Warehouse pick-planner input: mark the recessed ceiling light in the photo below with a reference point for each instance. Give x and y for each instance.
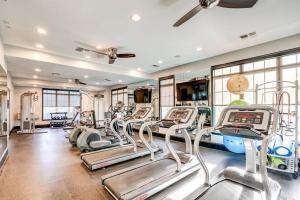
(40, 46)
(70, 80)
(99, 47)
(148, 84)
(160, 62)
(65, 87)
(41, 31)
(135, 17)
(34, 85)
(120, 81)
(35, 76)
(87, 57)
(188, 71)
(199, 49)
(85, 76)
(97, 83)
(37, 70)
(139, 69)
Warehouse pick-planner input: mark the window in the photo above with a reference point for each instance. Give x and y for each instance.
(120, 94)
(277, 68)
(166, 94)
(60, 101)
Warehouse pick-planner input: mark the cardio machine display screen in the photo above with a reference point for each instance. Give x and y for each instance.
(141, 113)
(246, 117)
(179, 114)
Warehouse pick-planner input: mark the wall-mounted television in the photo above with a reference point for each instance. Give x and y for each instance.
(142, 96)
(192, 91)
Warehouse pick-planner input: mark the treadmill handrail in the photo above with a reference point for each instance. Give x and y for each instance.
(180, 126)
(146, 143)
(115, 133)
(135, 120)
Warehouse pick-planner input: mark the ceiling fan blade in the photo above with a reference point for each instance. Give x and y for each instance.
(237, 4)
(77, 81)
(111, 61)
(188, 15)
(125, 55)
(97, 51)
(85, 45)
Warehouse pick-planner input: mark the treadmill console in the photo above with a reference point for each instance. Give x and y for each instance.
(179, 115)
(246, 117)
(176, 116)
(240, 122)
(141, 113)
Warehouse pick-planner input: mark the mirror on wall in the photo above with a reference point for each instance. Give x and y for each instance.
(4, 114)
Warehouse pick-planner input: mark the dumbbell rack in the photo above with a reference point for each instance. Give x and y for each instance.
(58, 119)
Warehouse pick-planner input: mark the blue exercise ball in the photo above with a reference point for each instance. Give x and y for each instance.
(234, 144)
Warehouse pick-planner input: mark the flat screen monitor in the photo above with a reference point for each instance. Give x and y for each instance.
(192, 91)
(142, 96)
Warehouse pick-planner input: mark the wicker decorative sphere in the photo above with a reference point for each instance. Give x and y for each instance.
(237, 84)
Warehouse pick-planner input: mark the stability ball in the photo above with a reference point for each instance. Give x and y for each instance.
(235, 144)
(239, 102)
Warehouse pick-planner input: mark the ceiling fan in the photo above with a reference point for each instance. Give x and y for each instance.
(57, 77)
(78, 82)
(205, 4)
(111, 52)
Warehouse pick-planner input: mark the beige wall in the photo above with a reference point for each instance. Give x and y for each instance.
(37, 105)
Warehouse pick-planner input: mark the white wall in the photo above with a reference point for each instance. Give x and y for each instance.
(86, 102)
(11, 101)
(2, 60)
(258, 50)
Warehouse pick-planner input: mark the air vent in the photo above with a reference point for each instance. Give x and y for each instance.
(251, 34)
(247, 35)
(108, 80)
(155, 66)
(55, 74)
(243, 36)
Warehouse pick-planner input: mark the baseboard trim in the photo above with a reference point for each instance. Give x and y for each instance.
(17, 128)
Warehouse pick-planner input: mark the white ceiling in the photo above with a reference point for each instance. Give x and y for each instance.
(22, 68)
(107, 23)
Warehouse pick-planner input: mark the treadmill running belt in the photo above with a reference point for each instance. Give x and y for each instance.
(228, 190)
(135, 180)
(102, 155)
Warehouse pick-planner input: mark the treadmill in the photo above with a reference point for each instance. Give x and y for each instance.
(144, 180)
(106, 157)
(250, 123)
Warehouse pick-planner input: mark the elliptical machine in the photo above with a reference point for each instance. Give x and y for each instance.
(91, 139)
